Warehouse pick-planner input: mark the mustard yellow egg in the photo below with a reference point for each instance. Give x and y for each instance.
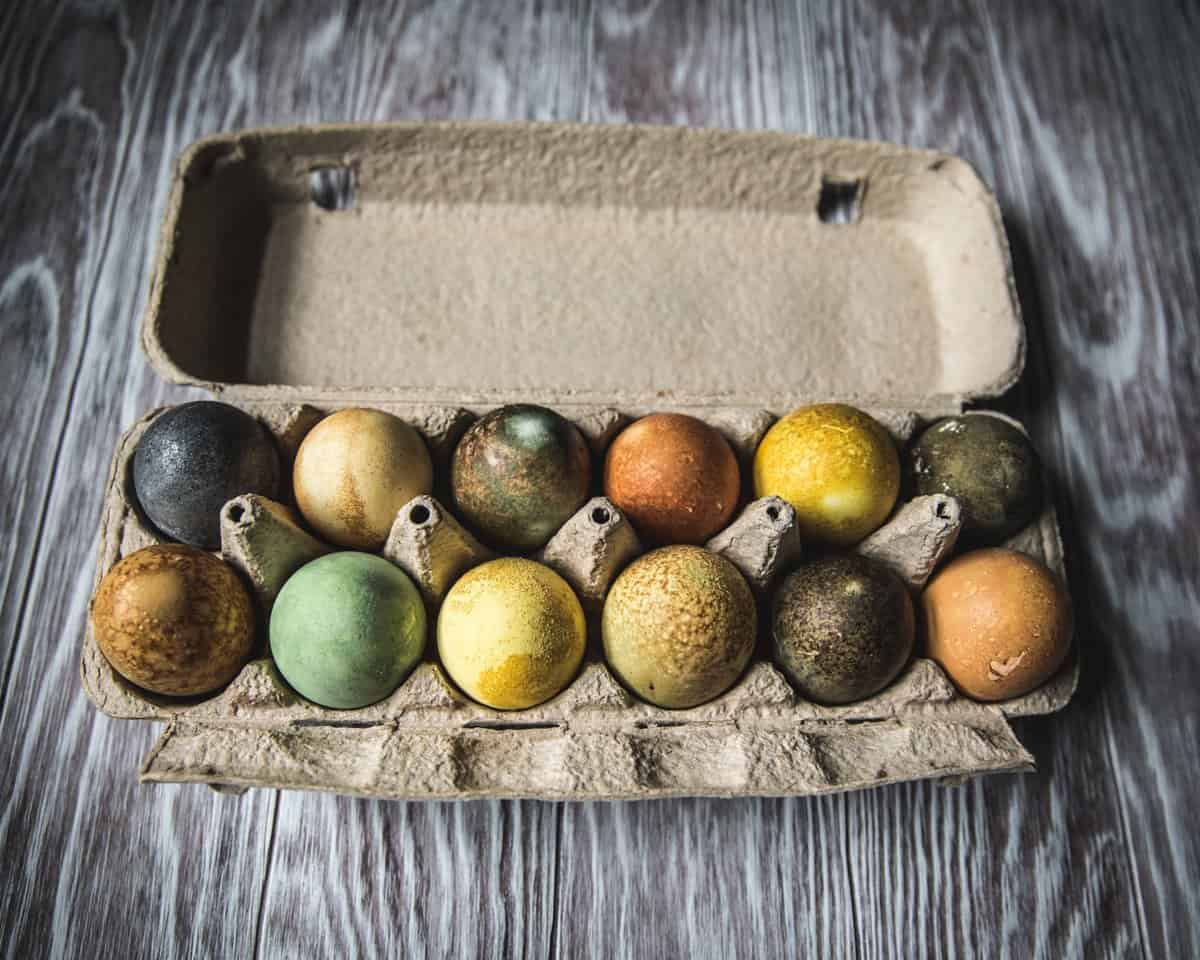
(837, 467)
(511, 633)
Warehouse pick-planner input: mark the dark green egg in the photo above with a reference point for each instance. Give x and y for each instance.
(842, 628)
(518, 474)
(985, 463)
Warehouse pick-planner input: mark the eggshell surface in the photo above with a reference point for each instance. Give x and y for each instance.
(518, 474)
(985, 463)
(675, 478)
(192, 460)
(679, 626)
(998, 621)
(354, 471)
(511, 633)
(346, 629)
(174, 620)
(842, 628)
(837, 467)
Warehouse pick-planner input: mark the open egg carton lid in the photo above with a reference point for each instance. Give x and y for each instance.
(439, 270)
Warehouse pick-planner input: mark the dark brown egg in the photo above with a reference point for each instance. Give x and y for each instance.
(174, 619)
(675, 478)
(842, 628)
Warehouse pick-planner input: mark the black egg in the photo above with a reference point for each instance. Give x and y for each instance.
(988, 466)
(842, 628)
(192, 460)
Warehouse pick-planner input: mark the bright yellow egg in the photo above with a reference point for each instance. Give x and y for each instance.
(511, 633)
(837, 467)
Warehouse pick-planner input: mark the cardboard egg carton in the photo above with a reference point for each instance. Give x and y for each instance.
(607, 273)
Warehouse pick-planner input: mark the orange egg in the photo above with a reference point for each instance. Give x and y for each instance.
(998, 622)
(675, 478)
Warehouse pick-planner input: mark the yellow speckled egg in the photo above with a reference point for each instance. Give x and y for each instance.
(174, 619)
(679, 626)
(353, 473)
(511, 633)
(836, 466)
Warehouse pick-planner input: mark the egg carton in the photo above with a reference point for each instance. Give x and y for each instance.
(595, 739)
(436, 271)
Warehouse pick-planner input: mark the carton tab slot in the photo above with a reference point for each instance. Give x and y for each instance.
(840, 202)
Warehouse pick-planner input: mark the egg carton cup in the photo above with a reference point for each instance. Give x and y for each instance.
(595, 739)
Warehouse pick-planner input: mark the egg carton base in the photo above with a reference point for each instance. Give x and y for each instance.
(761, 702)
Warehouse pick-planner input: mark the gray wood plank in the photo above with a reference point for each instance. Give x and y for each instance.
(91, 862)
(357, 878)
(707, 878)
(1115, 263)
(1084, 117)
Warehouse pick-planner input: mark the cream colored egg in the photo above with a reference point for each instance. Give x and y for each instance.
(353, 473)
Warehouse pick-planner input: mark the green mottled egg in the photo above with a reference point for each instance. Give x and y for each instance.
(985, 463)
(842, 628)
(346, 630)
(518, 474)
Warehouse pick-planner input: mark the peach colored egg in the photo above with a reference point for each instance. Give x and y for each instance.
(998, 622)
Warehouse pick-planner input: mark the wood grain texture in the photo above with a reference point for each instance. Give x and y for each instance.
(410, 879)
(1085, 118)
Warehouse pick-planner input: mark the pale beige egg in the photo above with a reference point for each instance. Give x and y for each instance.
(353, 473)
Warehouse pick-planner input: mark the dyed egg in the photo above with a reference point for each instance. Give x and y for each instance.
(679, 626)
(985, 463)
(192, 460)
(511, 633)
(674, 477)
(518, 474)
(998, 622)
(842, 628)
(836, 466)
(174, 620)
(354, 471)
(346, 629)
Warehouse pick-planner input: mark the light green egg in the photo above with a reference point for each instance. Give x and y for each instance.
(346, 629)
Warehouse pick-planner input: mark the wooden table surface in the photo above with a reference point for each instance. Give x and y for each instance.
(1085, 118)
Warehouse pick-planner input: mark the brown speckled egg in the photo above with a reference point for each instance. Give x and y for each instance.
(353, 473)
(679, 626)
(842, 628)
(174, 620)
(675, 478)
(998, 622)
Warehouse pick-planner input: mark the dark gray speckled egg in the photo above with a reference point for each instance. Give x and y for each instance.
(192, 460)
(842, 628)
